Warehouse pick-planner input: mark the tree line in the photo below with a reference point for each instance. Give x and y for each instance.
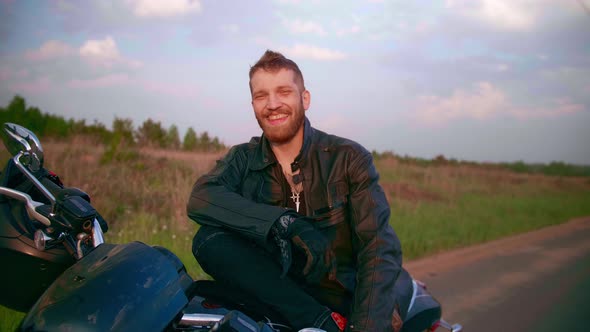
(150, 133)
(554, 168)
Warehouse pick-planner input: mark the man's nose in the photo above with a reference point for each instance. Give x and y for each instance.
(273, 102)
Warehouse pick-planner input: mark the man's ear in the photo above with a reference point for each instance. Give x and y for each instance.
(306, 97)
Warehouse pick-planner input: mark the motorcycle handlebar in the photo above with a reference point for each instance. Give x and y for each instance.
(51, 187)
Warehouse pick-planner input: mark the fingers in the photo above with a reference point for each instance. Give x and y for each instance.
(320, 260)
(324, 265)
(308, 254)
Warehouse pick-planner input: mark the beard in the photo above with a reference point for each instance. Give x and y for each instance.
(283, 134)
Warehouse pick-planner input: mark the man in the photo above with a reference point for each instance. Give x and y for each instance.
(296, 218)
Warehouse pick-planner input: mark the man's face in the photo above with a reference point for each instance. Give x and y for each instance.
(278, 104)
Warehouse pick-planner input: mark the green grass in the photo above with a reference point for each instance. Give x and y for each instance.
(150, 230)
(437, 227)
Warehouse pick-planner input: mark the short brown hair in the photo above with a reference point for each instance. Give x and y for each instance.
(273, 61)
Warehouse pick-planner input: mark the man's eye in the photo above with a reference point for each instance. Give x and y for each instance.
(285, 92)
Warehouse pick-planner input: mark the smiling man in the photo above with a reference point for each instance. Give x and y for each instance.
(296, 219)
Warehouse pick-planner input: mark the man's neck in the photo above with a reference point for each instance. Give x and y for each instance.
(288, 151)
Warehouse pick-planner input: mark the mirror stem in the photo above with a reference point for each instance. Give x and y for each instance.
(33, 179)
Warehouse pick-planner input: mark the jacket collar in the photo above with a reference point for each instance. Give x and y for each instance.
(263, 155)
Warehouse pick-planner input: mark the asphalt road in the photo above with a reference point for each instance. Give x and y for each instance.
(539, 281)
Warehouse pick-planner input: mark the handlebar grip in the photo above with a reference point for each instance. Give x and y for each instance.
(51, 186)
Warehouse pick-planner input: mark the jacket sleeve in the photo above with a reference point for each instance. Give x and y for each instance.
(216, 200)
(377, 248)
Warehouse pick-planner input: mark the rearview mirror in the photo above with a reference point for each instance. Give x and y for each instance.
(19, 139)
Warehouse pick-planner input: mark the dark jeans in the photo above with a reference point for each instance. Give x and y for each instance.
(240, 263)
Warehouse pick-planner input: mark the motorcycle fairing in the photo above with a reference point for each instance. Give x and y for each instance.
(126, 287)
(28, 271)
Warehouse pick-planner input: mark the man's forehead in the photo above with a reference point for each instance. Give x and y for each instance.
(267, 77)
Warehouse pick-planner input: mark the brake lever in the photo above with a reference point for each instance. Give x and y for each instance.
(30, 204)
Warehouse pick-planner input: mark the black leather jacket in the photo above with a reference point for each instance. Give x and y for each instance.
(245, 193)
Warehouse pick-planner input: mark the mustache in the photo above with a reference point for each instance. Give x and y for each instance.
(277, 112)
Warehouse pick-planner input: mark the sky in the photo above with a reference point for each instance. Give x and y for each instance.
(477, 80)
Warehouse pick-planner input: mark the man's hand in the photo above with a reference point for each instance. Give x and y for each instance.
(286, 254)
(320, 258)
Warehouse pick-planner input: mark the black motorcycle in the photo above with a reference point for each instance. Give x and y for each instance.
(60, 271)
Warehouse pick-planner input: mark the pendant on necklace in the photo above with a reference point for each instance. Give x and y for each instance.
(295, 198)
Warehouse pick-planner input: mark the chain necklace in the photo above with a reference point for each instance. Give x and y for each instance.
(296, 190)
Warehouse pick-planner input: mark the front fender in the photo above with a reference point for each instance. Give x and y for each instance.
(126, 287)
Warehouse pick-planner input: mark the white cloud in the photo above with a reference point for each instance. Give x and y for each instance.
(105, 53)
(483, 101)
(558, 107)
(502, 14)
(49, 50)
(313, 52)
(298, 26)
(105, 49)
(163, 9)
(56, 64)
(102, 52)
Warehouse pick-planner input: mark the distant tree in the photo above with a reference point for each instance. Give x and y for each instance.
(190, 140)
(32, 118)
(173, 138)
(16, 112)
(151, 133)
(440, 160)
(204, 141)
(123, 131)
(215, 144)
(17, 104)
(99, 131)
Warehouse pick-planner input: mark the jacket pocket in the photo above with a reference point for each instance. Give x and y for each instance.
(335, 212)
(330, 216)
